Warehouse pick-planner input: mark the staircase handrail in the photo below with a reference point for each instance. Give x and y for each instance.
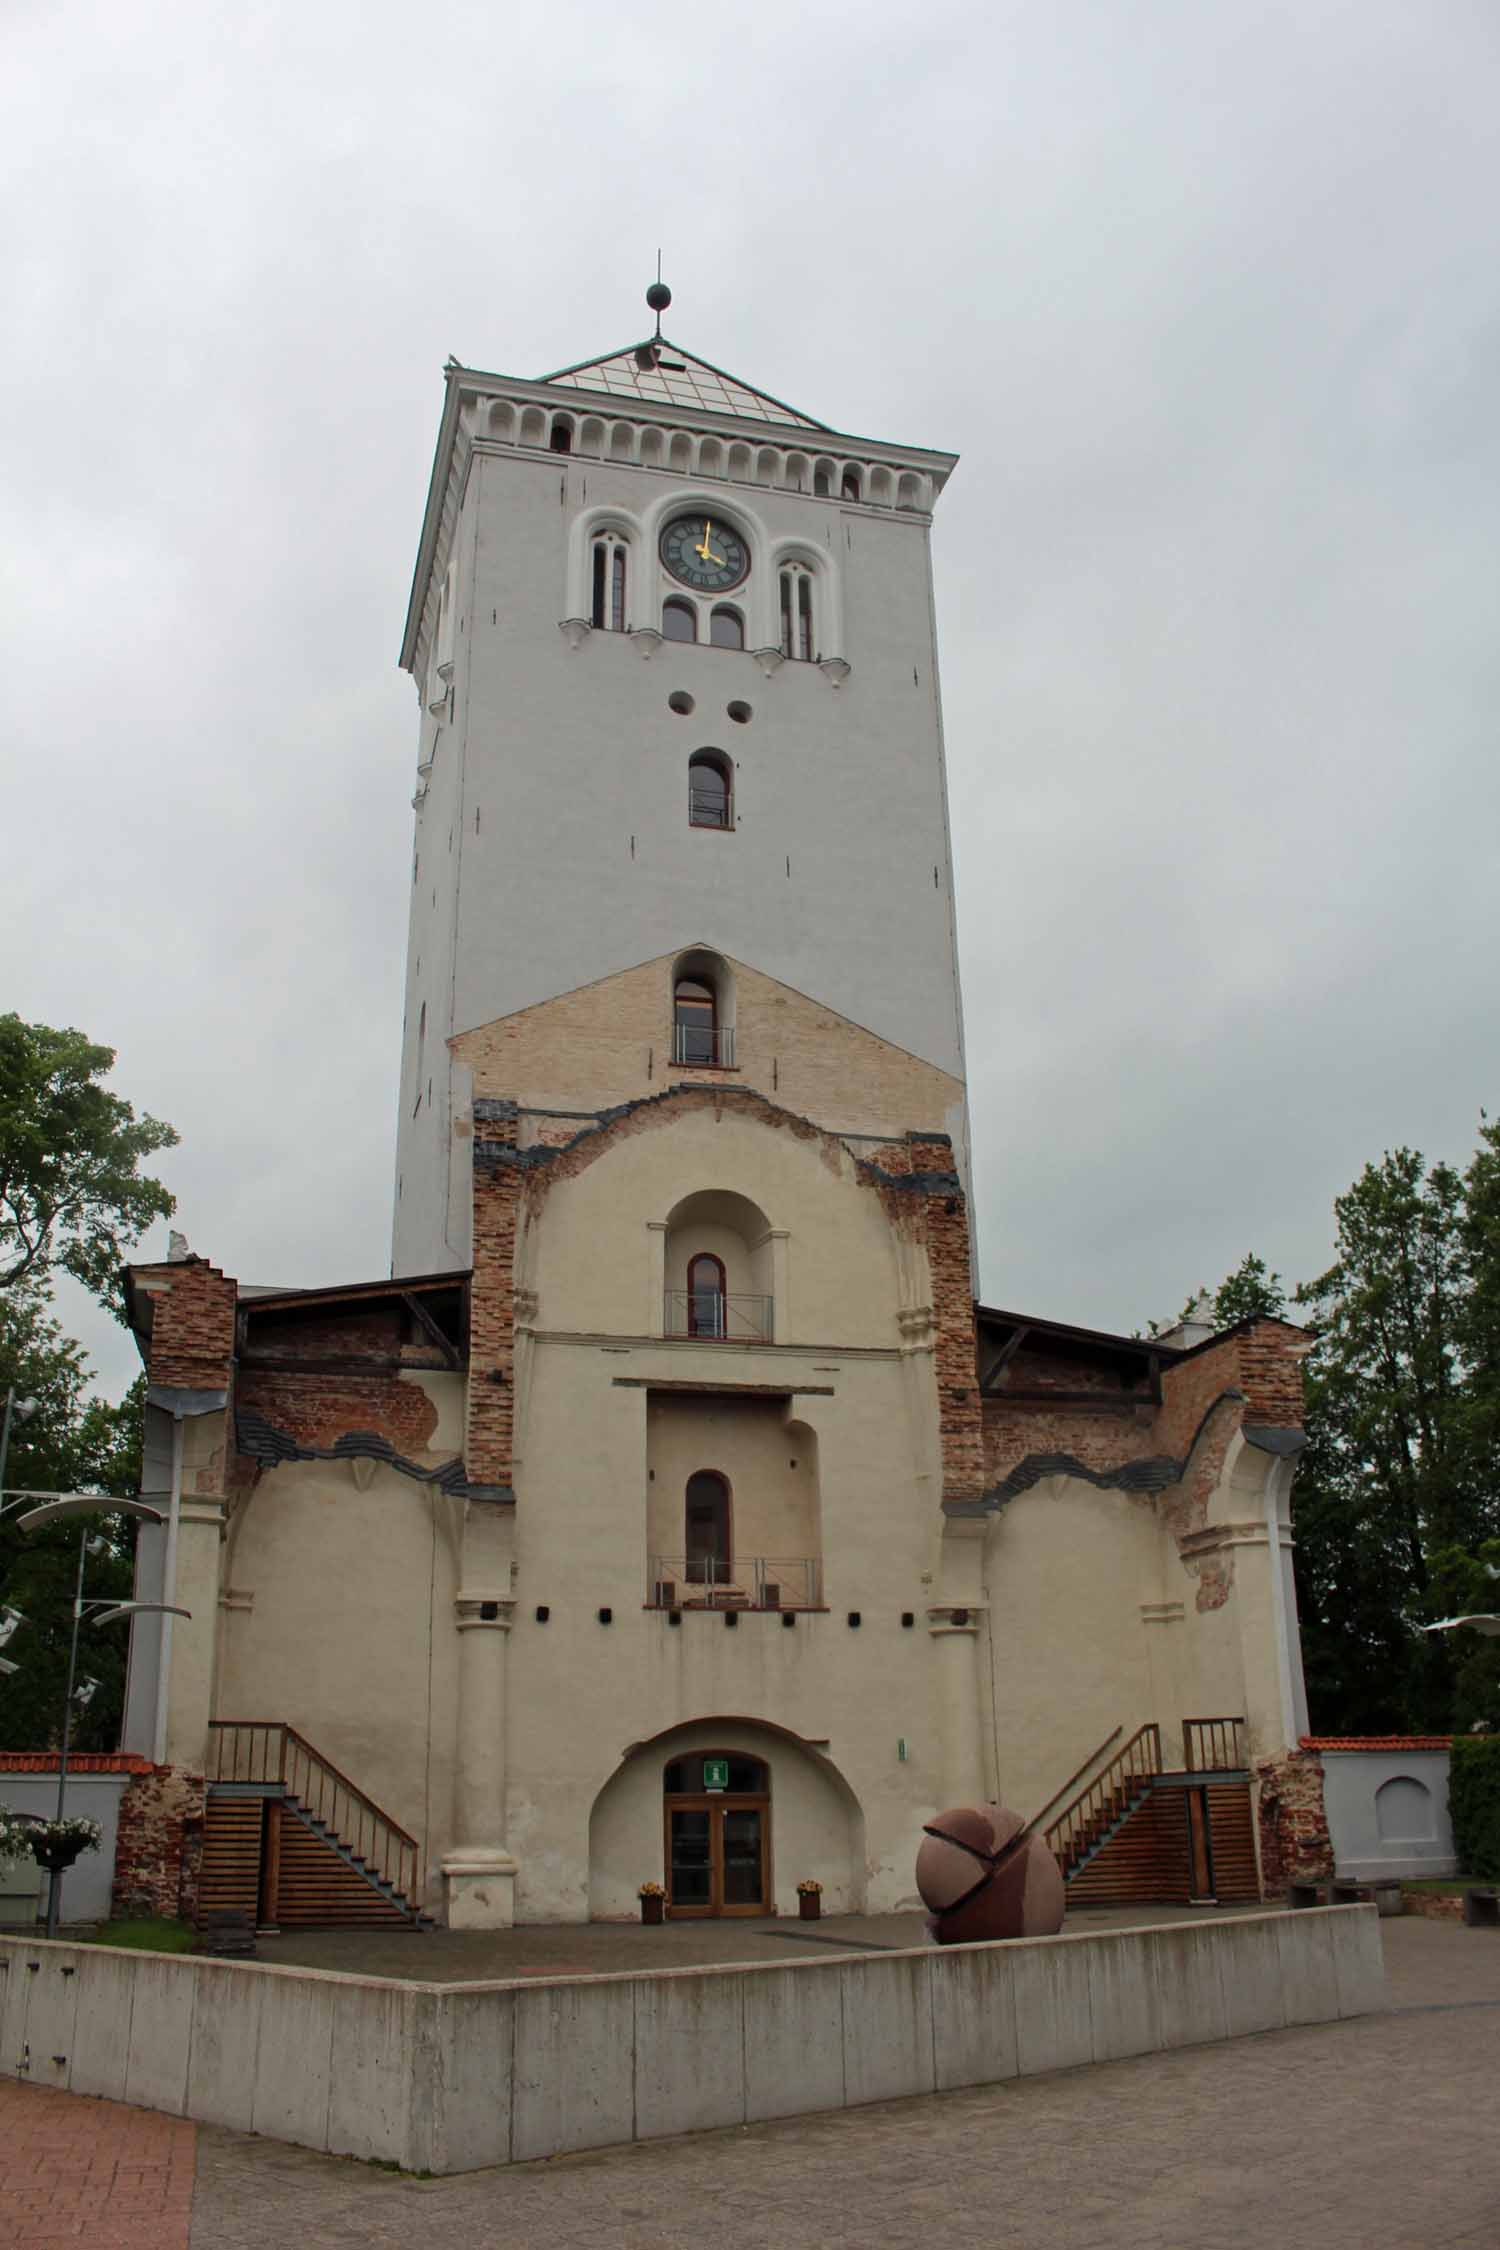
(372, 1834)
(1137, 1759)
(1075, 1776)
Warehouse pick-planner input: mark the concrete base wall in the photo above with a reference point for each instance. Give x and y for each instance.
(448, 2078)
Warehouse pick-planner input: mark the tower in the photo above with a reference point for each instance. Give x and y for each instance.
(675, 651)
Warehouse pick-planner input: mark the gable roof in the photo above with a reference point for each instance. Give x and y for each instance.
(682, 379)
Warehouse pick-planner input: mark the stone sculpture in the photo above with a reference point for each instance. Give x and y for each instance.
(981, 1875)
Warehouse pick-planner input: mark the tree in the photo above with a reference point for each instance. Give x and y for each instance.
(1250, 1292)
(71, 1443)
(71, 1196)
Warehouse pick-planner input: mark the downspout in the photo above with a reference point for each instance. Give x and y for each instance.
(169, 1594)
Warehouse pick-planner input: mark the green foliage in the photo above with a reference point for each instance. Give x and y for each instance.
(71, 1196)
(151, 1934)
(1474, 1802)
(1250, 1292)
(72, 1443)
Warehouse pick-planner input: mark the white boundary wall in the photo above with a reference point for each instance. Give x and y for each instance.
(447, 2078)
(1388, 1813)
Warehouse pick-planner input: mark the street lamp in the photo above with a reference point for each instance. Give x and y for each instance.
(21, 1408)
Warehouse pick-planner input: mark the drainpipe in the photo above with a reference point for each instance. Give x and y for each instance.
(168, 1594)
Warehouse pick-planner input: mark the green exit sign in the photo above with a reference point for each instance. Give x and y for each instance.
(716, 1773)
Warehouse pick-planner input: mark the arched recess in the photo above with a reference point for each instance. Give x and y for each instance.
(587, 525)
(827, 588)
(911, 492)
(700, 1040)
(723, 1224)
(817, 1823)
(1404, 1811)
(534, 426)
(502, 419)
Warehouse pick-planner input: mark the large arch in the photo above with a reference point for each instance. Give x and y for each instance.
(817, 1822)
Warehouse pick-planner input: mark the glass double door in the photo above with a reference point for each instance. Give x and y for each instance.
(716, 1856)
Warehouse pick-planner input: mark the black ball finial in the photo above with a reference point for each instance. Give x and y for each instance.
(658, 296)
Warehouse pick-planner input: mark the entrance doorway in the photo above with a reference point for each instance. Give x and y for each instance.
(717, 1807)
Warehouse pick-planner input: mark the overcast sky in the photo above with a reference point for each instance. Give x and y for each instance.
(1206, 294)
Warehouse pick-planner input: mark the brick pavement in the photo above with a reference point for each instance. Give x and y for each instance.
(1366, 2135)
(73, 2168)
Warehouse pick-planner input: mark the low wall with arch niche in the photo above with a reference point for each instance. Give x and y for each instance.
(1386, 1803)
(817, 1828)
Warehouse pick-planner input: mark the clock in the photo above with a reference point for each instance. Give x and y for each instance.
(708, 555)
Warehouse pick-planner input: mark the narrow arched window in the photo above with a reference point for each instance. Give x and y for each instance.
(708, 1532)
(610, 563)
(726, 628)
(849, 485)
(695, 1030)
(821, 485)
(798, 637)
(710, 790)
(562, 435)
(679, 621)
(706, 1295)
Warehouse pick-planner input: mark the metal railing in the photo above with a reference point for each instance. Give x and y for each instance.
(709, 808)
(1213, 1745)
(740, 1582)
(716, 1317)
(1099, 1804)
(267, 1753)
(709, 1048)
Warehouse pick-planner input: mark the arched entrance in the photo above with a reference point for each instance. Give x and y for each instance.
(716, 1808)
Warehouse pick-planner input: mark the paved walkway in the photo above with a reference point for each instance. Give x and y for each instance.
(1368, 2135)
(563, 1949)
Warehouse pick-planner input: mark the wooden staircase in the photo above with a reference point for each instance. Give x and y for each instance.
(289, 1840)
(1136, 1834)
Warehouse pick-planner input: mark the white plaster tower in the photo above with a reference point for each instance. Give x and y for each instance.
(675, 650)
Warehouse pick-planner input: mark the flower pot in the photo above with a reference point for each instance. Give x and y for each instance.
(653, 1909)
(809, 1905)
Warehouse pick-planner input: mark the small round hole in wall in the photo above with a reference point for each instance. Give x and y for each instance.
(674, 1616)
(787, 1618)
(681, 702)
(741, 714)
(854, 1617)
(731, 1617)
(908, 1617)
(606, 1616)
(543, 1612)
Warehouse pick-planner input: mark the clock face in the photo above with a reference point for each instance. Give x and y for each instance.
(708, 556)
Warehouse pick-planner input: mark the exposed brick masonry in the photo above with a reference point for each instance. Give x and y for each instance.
(1295, 1846)
(317, 1410)
(159, 1843)
(192, 1324)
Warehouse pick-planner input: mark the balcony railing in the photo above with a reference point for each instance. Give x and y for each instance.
(716, 1318)
(1213, 1745)
(710, 1049)
(709, 808)
(743, 1582)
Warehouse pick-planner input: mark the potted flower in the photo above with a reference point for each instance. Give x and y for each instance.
(809, 1898)
(55, 1844)
(653, 1900)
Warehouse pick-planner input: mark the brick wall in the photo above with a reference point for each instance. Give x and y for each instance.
(610, 1042)
(192, 1324)
(1295, 1846)
(159, 1845)
(498, 1190)
(317, 1410)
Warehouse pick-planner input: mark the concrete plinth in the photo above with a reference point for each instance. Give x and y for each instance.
(479, 1890)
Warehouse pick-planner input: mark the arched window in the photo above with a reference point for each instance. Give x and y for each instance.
(695, 1032)
(708, 1530)
(726, 628)
(679, 621)
(610, 552)
(706, 1295)
(821, 484)
(797, 635)
(849, 485)
(562, 435)
(710, 790)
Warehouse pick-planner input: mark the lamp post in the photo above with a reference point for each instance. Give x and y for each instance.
(19, 1408)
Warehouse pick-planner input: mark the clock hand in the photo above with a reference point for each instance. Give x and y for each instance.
(703, 550)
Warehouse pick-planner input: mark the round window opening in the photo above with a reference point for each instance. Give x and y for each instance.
(740, 713)
(682, 703)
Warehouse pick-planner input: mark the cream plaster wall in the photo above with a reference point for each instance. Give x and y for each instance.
(348, 1634)
(589, 1259)
(769, 1459)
